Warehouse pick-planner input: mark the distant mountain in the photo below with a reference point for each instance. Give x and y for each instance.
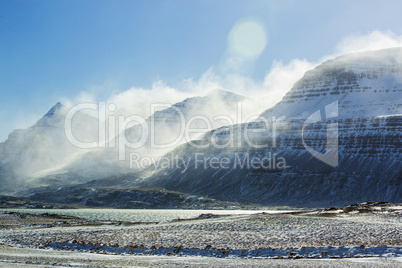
(42, 156)
(339, 130)
(365, 84)
(168, 123)
(164, 134)
(334, 139)
(216, 102)
(34, 152)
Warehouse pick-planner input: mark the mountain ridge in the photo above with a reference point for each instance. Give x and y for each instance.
(362, 120)
(76, 166)
(368, 143)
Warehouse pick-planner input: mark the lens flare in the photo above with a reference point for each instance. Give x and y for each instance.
(247, 39)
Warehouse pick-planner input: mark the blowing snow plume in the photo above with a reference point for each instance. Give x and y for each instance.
(64, 146)
(337, 142)
(41, 154)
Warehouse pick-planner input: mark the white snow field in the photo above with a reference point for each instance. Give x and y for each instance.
(321, 238)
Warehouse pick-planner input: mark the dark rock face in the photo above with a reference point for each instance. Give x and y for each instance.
(349, 109)
(125, 197)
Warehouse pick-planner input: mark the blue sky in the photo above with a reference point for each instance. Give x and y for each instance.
(50, 50)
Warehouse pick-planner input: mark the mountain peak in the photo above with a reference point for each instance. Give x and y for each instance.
(224, 94)
(57, 107)
(55, 113)
(364, 84)
(218, 91)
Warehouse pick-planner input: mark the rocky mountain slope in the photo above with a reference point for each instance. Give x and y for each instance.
(42, 156)
(334, 139)
(166, 126)
(337, 139)
(38, 150)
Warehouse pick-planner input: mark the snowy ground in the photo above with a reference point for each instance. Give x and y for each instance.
(335, 237)
(27, 257)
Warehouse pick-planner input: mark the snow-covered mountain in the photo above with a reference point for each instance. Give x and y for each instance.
(43, 147)
(216, 102)
(337, 139)
(42, 155)
(166, 126)
(165, 132)
(365, 84)
(163, 135)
